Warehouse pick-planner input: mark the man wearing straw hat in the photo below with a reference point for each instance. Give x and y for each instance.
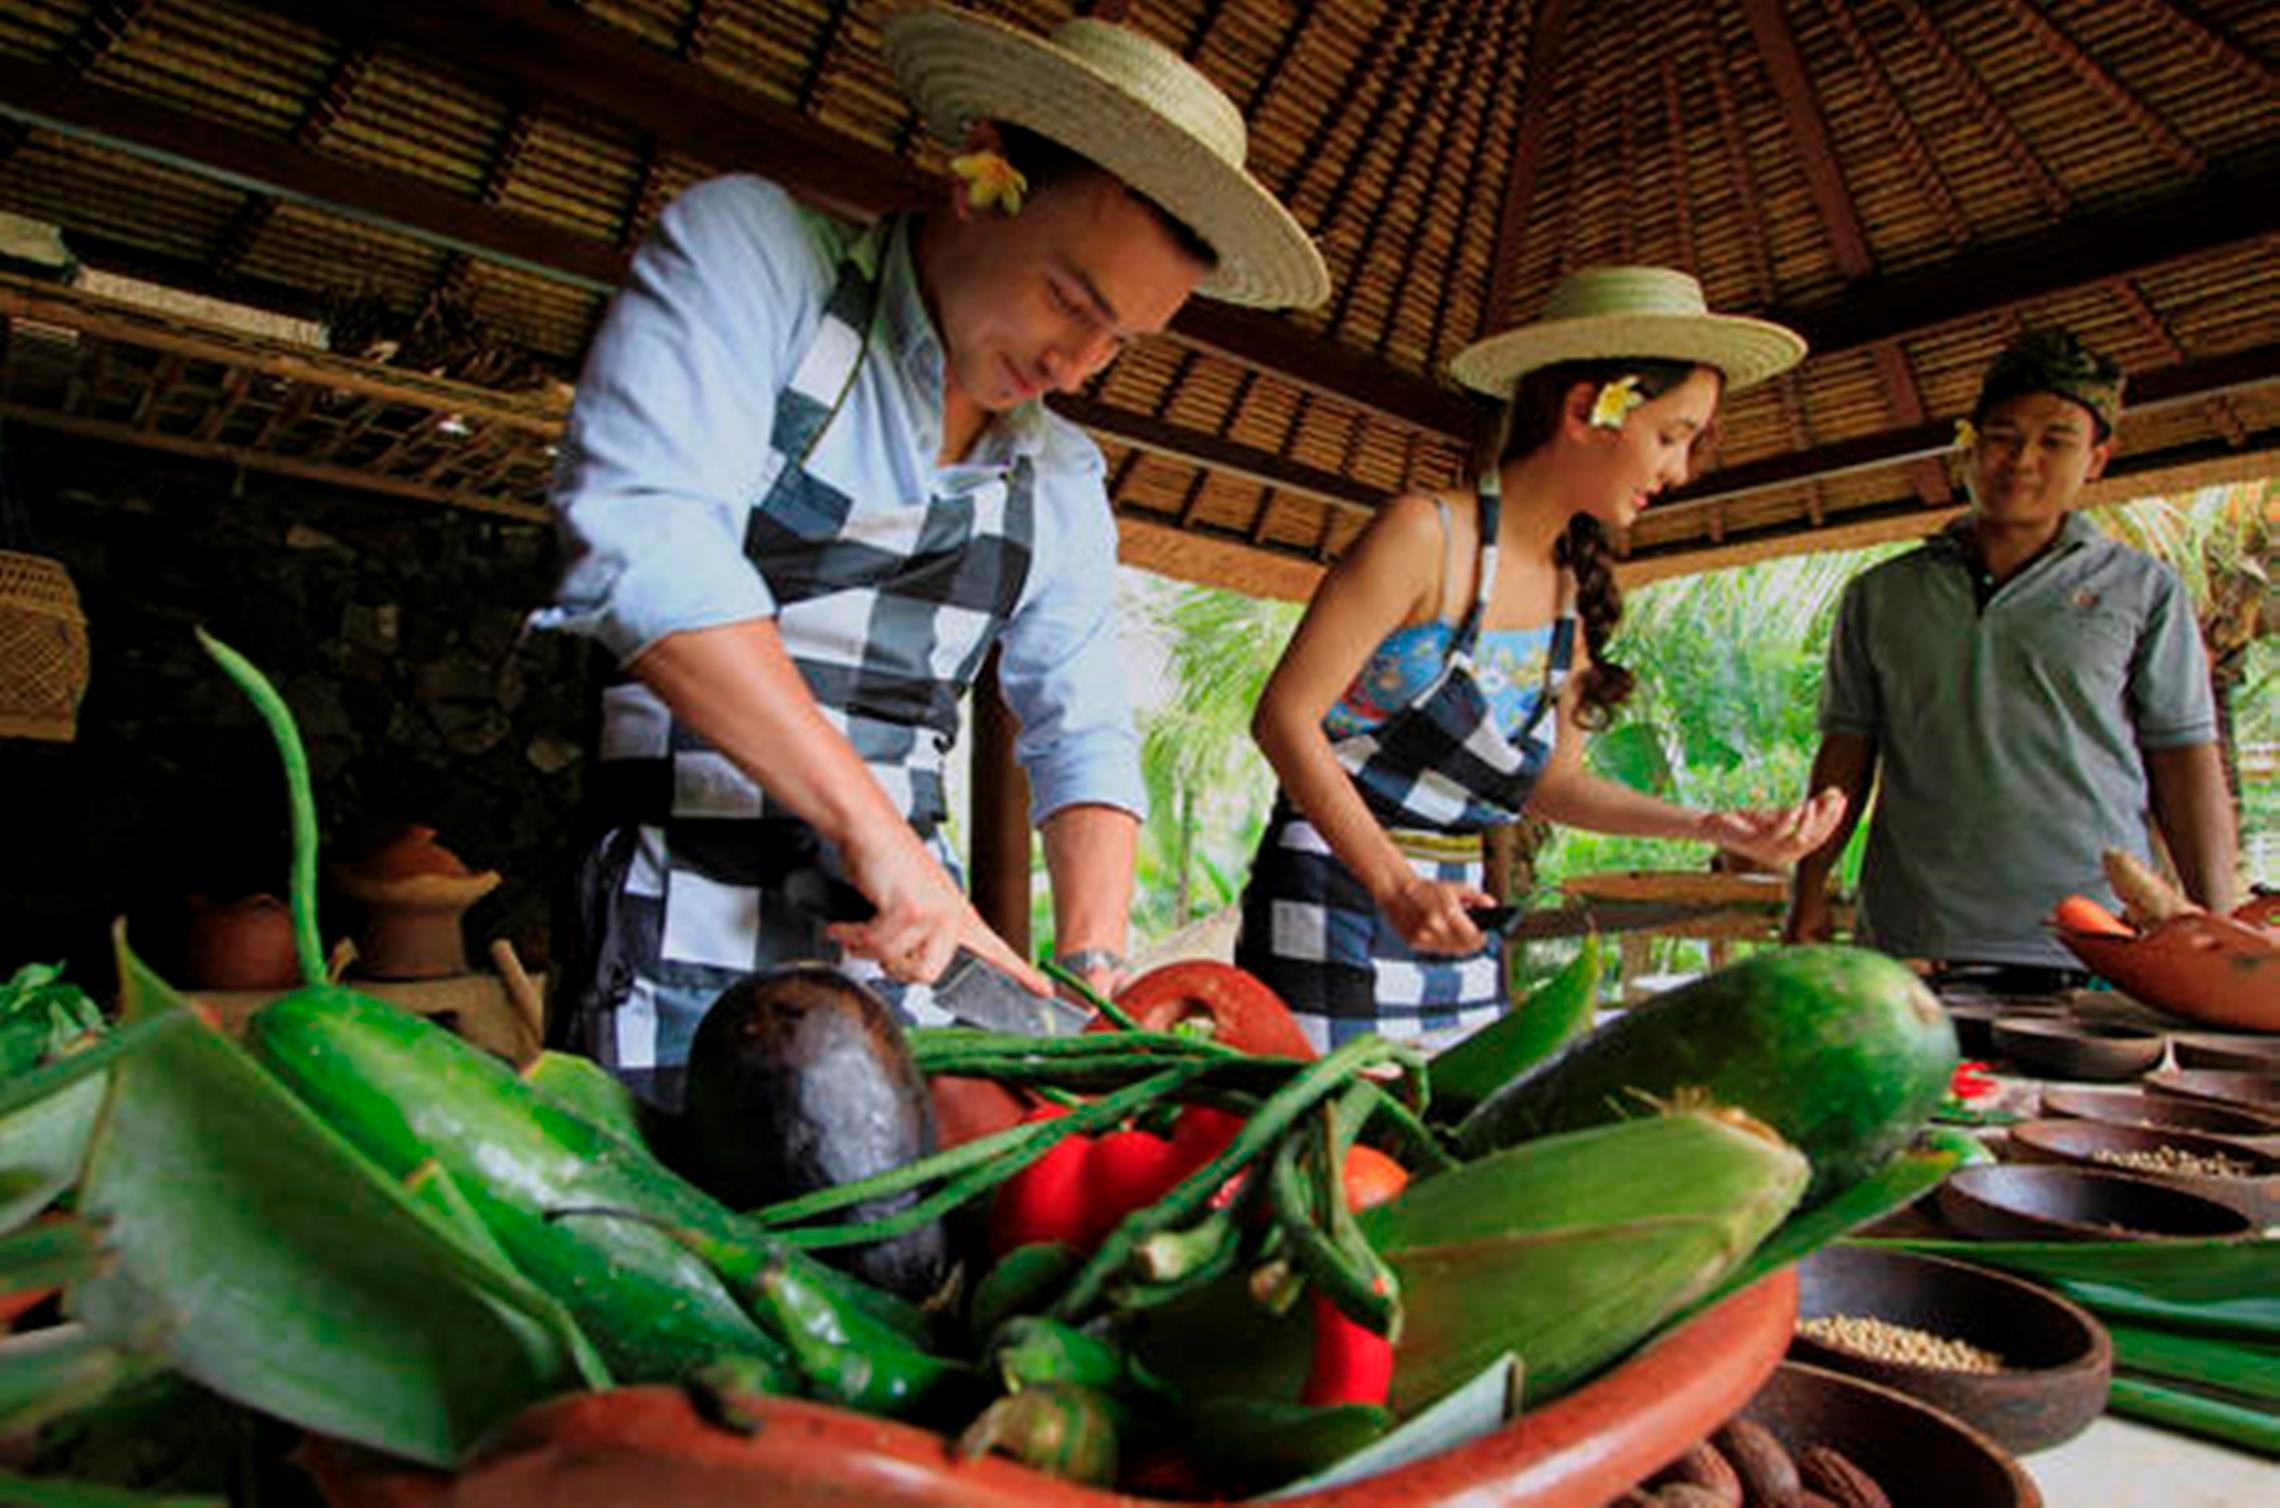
(807, 485)
(2026, 692)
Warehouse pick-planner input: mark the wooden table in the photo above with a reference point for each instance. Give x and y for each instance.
(1641, 904)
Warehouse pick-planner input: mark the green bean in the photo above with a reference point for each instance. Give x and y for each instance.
(1312, 1251)
(1092, 997)
(308, 946)
(1188, 1198)
(985, 1161)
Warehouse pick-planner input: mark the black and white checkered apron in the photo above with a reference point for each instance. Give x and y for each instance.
(886, 606)
(1436, 774)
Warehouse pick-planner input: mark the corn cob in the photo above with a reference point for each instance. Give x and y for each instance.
(1570, 1249)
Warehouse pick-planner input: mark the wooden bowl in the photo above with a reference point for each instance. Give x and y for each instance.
(2259, 1092)
(2255, 1194)
(648, 1445)
(1917, 1453)
(2131, 1107)
(2209, 968)
(2057, 1360)
(2020, 1202)
(2238, 1053)
(1974, 1016)
(2062, 1049)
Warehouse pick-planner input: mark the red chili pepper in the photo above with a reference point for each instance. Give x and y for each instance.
(1352, 1363)
(1971, 1081)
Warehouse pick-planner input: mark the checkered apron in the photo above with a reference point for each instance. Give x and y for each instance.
(1436, 773)
(887, 607)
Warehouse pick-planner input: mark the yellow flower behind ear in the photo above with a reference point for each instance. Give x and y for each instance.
(990, 179)
(1615, 402)
(1966, 434)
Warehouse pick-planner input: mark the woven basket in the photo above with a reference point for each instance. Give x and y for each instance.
(43, 649)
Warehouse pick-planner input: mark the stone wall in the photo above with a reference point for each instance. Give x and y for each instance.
(392, 626)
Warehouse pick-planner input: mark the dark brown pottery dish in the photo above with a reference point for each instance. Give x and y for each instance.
(2077, 1049)
(1973, 1016)
(2238, 1053)
(2259, 1092)
(2131, 1107)
(1916, 1453)
(2024, 1202)
(2057, 1360)
(2256, 1193)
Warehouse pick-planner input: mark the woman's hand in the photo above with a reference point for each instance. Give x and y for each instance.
(1776, 837)
(1433, 916)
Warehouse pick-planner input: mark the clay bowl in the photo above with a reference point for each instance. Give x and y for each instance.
(2209, 968)
(648, 1445)
(2239, 1054)
(2077, 1049)
(1917, 1453)
(2256, 1194)
(2023, 1202)
(2131, 1107)
(2258, 1092)
(2057, 1359)
(1973, 1017)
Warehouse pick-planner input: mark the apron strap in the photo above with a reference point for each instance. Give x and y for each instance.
(1491, 492)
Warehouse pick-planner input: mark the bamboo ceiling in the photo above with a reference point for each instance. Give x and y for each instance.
(1908, 181)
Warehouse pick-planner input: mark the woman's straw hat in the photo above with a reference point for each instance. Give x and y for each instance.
(1604, 312)
(1133, 106)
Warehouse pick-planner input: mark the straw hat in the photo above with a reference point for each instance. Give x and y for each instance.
(1601, 312)
(1133, 106)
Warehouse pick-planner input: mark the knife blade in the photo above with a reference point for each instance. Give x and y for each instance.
(972, 988)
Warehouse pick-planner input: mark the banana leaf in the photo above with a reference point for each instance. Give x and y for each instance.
(35, 1492)
(47, 1115)
(284, 1271)
(2194, 1411)
(1487, 1403)
(2220, 1287)
(1532, 1030)
(49, 1255)
(2234, 1366)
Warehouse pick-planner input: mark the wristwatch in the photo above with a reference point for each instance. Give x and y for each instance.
(1090, 961)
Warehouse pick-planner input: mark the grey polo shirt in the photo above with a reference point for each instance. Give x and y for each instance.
(2009, 735)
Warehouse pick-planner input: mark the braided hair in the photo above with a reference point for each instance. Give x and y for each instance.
(1531, 420)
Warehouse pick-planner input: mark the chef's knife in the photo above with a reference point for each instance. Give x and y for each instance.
(972, 989)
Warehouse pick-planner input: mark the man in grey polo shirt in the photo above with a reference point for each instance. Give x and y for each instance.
(2027, 689)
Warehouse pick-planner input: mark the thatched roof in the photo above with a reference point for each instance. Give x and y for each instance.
(1905, 180)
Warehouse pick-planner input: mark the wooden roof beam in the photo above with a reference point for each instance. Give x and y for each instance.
(1231, 457)
(1544, 42)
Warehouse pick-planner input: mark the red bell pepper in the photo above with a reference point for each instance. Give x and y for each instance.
(1076, 1193)
(1971, 1081)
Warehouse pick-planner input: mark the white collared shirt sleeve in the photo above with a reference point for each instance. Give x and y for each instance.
(1062, 669)
(667, 447)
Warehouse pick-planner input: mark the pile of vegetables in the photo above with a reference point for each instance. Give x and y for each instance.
(361, 1225)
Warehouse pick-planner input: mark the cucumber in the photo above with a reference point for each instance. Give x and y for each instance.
(1841, 1050)
(403, 1090)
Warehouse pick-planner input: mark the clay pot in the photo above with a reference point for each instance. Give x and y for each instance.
(246, 944)
(413, 891)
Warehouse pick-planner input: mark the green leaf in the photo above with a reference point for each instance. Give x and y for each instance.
(1632, 754)
(1907, 1177)
(1479, 1407)
(2196, 1412)
(47, 1373)
(280, 1267)
(49, 1255)
(2222, 1287)
(42, 1148)
(38, 1492)
(2235, 1366)
(1532, 1030)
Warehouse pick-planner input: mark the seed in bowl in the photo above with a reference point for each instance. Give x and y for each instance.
(2167, 1159)
(1882, 1340)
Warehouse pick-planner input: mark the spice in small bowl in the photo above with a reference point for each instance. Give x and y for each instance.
(2169, 1159)
(1882, 1340)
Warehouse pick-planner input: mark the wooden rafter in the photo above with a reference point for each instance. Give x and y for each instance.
(2218, 47)
(1993, 120)
(1545, 39)
(1425, 19)
(1483, 159)
(1897, 125)
(2222, 412)
(1216, 452)
(2117, 96)
(1476, 37)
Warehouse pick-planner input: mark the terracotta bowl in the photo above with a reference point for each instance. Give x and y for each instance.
(2022, 1202)
(2062, 1049)
(2257, 1092)
(2242, 1054)
(1917, 1453)
(2209, 968)
(647, 1445)
(2256, 1194)
(2165, 1112)
(2057, 1360)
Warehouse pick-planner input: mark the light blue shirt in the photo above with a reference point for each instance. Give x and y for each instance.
(668, 450)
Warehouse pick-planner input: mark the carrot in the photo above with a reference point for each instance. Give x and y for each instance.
(2079, 913)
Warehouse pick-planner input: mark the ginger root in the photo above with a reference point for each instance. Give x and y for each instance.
(2146, 897)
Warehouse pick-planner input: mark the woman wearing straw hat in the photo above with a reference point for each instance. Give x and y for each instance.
(1452, 661)
(807, 485)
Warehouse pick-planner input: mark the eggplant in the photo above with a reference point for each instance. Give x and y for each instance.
(799, 1079)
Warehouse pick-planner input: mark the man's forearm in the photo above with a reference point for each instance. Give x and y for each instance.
(1089, 853)
(737, 688)
(1846, 762)
(2194, 811)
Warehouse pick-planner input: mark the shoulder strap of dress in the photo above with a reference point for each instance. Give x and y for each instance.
(1490, 489)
